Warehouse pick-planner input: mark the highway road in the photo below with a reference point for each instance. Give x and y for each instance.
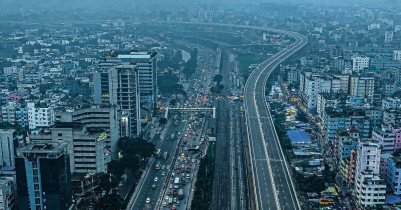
(273, 184)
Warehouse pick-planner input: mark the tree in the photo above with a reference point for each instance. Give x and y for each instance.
(163, 121)
(173, 102)
(218, 78)
(136, 147)
(107, 181)
(110, 202)
(302, 117)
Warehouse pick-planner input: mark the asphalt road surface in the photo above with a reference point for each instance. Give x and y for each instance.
(273, 185)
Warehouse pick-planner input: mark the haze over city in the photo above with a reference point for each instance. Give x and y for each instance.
(200, 105)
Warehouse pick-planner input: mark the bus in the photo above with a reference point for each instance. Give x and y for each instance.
(165, 155)
(158, 165)
(158, 153)
(188, 168)
(325, 201)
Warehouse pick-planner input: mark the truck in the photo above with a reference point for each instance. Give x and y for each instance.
(172, 136)
(181, 194)
(176, 183)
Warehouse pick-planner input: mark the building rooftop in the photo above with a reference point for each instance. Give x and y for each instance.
(298, 136)
(43, 147)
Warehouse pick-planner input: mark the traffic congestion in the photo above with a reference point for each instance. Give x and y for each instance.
(169, 181)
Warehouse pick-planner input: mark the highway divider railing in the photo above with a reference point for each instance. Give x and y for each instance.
(139, 184)
(143, 176)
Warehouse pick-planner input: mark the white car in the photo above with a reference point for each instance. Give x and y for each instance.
(156, 179)
(147, 200)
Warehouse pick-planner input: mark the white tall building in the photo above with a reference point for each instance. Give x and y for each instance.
(39, 115)
(388, 37)
(311, 84)
(359, 63)
(370, 189)
(397, 55)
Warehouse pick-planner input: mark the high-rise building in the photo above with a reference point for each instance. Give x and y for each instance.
(118, 84)
(147, 66)
(7, 147)
(43, 175)
(87, 151)
(104, 117)
(370, 189)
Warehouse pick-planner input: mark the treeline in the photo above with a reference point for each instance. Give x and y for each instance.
(204, 183)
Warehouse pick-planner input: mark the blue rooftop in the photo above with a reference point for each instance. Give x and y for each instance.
(7, 168)
(298, 136)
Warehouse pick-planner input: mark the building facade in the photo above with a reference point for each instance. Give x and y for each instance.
(39, 115)
(43, 176)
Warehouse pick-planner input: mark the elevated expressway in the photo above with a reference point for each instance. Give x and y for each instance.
(272, 183)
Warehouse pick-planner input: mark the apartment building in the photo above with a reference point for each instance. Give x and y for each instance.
(15, 113)
(394, 174)
(362, 86)
(385, 137)
(359, 63)
(370, 189)
(39, 115)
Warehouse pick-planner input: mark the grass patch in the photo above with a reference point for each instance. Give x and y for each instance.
(246, 59)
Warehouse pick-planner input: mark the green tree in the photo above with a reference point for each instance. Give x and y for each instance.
(136, 147)
(110, 202)
(218, 78)
(173, 102)
(302, 116)
(107, 181)
(163, 121)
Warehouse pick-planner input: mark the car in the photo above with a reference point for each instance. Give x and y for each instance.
(178, 203)
(164, 203)
(187, 176)
(171, 186)
(182, 170)
(166, 198)
(173, 174)
(155, 179)
(147, 200)
(163, 173)
(169, 192)
(174, 200)
(178, 171)
(153, 186)
(171, 180)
